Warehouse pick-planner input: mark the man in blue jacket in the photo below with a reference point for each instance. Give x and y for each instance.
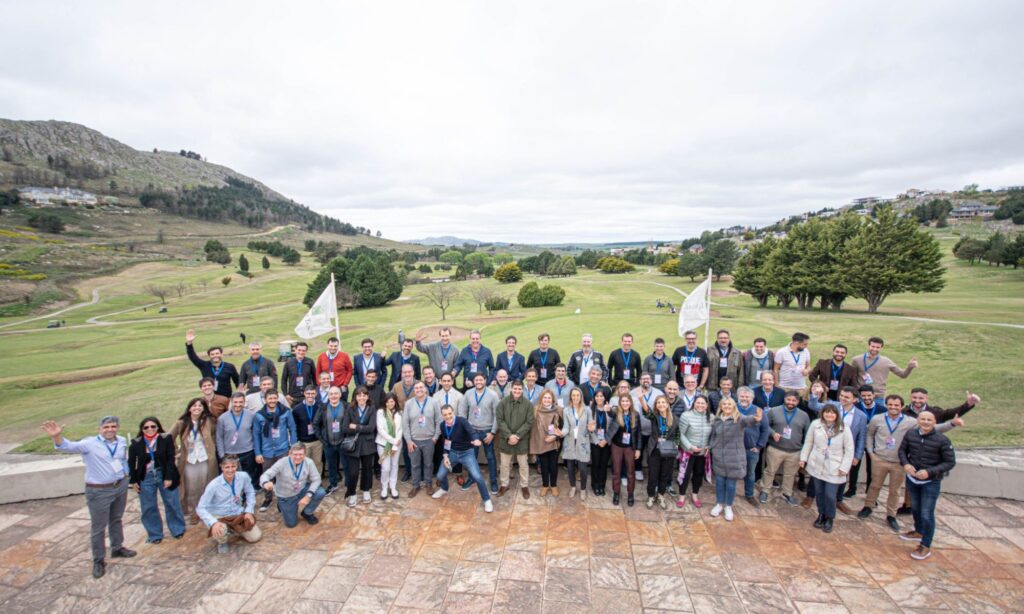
(273, 433)
(474, 358)
(754, 439)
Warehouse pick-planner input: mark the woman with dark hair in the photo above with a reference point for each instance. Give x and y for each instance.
(389, 444)
(694, 435)
(662, 449)
(195, 433)
(827, 454)
(360, 421)
(600, 441)
(624, 434)
(151, 470)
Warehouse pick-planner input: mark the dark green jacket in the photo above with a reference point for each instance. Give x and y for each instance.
(514, 418)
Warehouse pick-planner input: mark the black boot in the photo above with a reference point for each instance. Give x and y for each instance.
(819, 522)
(827, 527)
(615, 499)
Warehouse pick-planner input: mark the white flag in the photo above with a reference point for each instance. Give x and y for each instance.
(321, 316)
(695, 310)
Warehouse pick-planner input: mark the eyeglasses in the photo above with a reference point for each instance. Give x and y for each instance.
(149, 427)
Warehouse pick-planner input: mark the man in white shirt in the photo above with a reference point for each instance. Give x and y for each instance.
(793, 363)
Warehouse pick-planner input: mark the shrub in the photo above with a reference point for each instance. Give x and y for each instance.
(497, 303)
(532, 295)
(509, 273)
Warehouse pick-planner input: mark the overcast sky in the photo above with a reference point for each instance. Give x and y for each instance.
(543, 121)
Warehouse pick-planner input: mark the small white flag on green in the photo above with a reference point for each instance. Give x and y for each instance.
(322, 316)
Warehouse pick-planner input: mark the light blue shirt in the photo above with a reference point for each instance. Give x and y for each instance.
(219, 500)
(104, 463)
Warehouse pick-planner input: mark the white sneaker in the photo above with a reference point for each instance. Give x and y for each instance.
(639, 476)
(728, 513)
(488, 506)
(394, 492)
(440, 492)
(716, 511)
(583, 495)
(625, 481)
(366, 496)
(572, 492)
(384, 493)
(352, 501)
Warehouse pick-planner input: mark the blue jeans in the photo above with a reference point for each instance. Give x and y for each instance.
(150, 486)
(407, 462)
(825, 496)
(922, 499)
(492, 462)
(748, 482)
(335, 459)
(468, 460)
(725, 490)
(289, 506)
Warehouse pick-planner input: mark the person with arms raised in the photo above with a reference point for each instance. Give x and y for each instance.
(543, 359)
(297, 486)
(106, 486)
(151, 471)
(690, 360)
(835, 373)
(274, 433)
(255, 369)
(874, 369)
(298, 372)
(223, 373)
(442, 354)
(227, 505)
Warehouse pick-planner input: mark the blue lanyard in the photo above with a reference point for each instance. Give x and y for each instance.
(152, 450)
(479, 397)
(690, 355)
(626, 420)
(543, 359)
(749, 411)
(657, 363)
(330, 363)
(449, 430)
(761, 361)
(845, 413)
(195, 432)
(309, 412)
(445, 350)
(837, 372)
(602, 418)
(559, 386)
(689, 400)
(362, 412)
(216, 370)
(661, 426)
(874, 410)
(367, 364)
(446, 398)
(334, 412)
(408, 391)
(889, 425)
(297, 473)
(422, 405)
(796, 357)
(788, 415)
(113, 451)
(405, 361)
(575, 419)
(255, 365)
(647, 398)
(593, 390)
(626, 356)
(238, 423)
(231, 484)
(867, 367)
(530, 393)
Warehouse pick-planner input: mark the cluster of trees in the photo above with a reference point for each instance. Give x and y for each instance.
(216, 252)
(180, 289)
(78, 169)
(549, 264)
(533, 295)
(509, 273)
(10, 198)
(997, 249)
(365, 280)
(46, 222)
(936, 210)
(288, 255)
(614, 264)
(850, 255)
(643, 257)
(243, 203)
(191, 155)
(720, 256)
(1012, 208)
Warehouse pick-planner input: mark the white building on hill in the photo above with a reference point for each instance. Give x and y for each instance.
(51, 196)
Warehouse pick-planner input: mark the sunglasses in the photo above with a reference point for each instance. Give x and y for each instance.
(149, 427)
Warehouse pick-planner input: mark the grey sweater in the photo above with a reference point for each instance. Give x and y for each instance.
(429, 427)
(441, 361)
(483, 413)
(654, 368)
(231, 440)
(286, 485)
(798, 425)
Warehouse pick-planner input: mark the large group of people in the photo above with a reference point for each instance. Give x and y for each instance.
(767, 419)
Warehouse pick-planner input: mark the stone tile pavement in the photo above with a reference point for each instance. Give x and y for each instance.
(536, 555)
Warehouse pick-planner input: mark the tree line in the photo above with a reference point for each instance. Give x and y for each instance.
(287, 254)
(828, 261)
(997, 249)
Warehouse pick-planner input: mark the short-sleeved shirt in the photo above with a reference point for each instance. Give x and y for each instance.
(791, 366)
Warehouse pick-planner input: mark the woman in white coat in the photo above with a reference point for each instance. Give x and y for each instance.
(827, 455)
(389, 445)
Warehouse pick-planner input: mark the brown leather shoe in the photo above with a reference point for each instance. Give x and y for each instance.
(844, 508)
(415, 490)
(502, 491)
(430, 489)
(526, 492)
(554, 491)
(806, 503)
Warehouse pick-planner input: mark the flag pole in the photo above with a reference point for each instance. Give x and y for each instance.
(707, 324)
(337, 326)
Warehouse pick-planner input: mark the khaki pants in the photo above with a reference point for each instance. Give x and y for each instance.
(790, 463)
(524, 468)
(879, 469)
(315, 451)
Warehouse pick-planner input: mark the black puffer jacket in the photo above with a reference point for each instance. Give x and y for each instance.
(932, 452)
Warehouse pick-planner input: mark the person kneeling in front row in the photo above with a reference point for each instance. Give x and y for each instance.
(298, 485)
(227, 505)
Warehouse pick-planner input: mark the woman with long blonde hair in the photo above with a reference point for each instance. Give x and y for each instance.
(579, 424)
(544, 436)
(728, 456)
(624, 434)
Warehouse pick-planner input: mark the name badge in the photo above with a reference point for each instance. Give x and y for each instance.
(335, 426)
(723, 362)
(332, 376)
(600, 434)
(757, 375)
(444, 366)
(625, 374)
(447, 444)
(787, 433)
(476, 412)
(115, 464)
(657, 378)
(275, 433)
(234, 438)
(890, 443)
(824, 452)
(543, 372)
(833, 385)
(472, 367)
(422, 420)
(298, 381)
(551, 429)
(867, 379)
(255, 381)
(309, 429)
(237, 499)
(625, 438)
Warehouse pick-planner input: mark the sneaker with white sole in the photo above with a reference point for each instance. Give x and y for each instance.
(352, 501)
(728, 513)
(384, 493)
(488, 506)
(394, 493)
(366, 496)
(921, 553)
(650, 502)
(638, 475)
(625, 481)
(440, 492)
(717, 510)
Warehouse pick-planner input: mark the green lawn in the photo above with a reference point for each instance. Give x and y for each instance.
(136, 366)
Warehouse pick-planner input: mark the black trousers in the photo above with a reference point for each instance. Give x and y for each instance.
(360, 468)
(548, 468)
(855, 472)
(599, 465)
(661, 473)
(695, 469)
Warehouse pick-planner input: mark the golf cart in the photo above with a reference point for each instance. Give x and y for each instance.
(285, 350)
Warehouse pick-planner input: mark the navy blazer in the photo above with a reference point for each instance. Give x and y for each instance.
(766, 402)
(516, 368)
(359, 370)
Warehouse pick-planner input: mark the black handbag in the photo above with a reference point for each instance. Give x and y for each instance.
(348, 444)
(667, 448)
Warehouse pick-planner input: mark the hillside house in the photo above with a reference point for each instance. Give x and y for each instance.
(52, 196)
(972, 209)
(696, 248)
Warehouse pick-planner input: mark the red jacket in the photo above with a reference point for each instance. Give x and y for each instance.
(341, 366)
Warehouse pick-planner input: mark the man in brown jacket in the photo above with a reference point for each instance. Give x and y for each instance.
(723, 361)
(835, 373)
